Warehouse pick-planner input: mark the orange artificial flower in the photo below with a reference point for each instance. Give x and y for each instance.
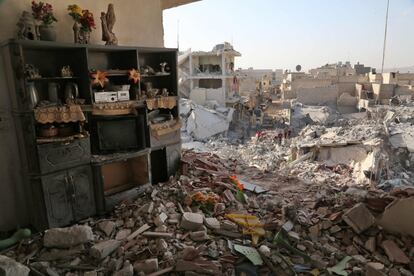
(134, 75)
(236, 182)
(99, 78)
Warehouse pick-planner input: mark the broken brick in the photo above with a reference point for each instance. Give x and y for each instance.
(359, 218)
(394, 253)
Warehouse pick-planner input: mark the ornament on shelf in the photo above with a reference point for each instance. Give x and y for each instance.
(99, 78)
(66, 72)
(134, 76)
(84, 23)
(108, 20)
(28, 27)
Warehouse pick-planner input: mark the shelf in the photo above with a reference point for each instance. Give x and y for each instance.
(58, 139)
(156, 75)
(53, 79)
(115, 157)
(112, 73)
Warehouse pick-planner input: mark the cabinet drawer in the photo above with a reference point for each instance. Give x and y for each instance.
(168, 139)
(55, 156)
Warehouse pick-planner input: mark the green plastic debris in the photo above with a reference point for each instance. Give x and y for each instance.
(240, 196)
(251, 253)
(15, 238)
(339, 268)
(279, 240)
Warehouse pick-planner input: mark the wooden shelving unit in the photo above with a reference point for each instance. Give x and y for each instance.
(72, 186)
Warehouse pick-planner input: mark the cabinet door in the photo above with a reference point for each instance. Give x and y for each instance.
(57, 199)
(173, 155)
(82, 192)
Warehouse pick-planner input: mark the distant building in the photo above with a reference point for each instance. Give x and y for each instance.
(252, 80)
(361, 69)
(209, 76)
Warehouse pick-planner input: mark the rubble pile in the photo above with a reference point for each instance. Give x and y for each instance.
(219, 219)
(266, 153)
(200, 123)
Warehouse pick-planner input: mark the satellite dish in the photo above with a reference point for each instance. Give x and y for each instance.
(298, 68)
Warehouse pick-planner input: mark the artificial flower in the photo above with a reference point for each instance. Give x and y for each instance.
(236, 182)
(43, 12)
(99, 78)
(83, 17)
(134, 75)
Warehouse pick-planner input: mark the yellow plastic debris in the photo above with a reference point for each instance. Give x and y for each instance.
(251, 225)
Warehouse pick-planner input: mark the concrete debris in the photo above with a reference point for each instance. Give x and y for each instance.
(313, 214)
(107, 227)
(67, 237)
(397, 217)
(147, 266)
(191, 221)
(212, 223)
(9, 267)
(201, 123)
(104, 248)
(394, 253)
(359, 218)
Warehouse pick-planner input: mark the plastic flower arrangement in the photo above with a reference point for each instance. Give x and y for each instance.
(43, 12)
(83, 17)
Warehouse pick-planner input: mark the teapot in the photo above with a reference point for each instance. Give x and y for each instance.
(71, 92)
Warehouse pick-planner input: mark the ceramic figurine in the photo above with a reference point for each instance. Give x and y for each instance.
(163, 65)
(66, 72)
(164, 92)
(28, 27)
(108, 20)
(31, 72)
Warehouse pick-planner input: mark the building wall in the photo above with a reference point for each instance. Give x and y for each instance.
(216, 60)
(318, 95)
(138, 22)
(383, 91)
(309, 83)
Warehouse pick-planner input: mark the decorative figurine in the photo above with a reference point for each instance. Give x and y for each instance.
(163, 65)
(108, 20)
(164, 92)
(66, 72)
(148, 70)
(28, 27)
(31, 72)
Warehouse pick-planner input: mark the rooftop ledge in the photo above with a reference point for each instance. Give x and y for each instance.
(168, 4)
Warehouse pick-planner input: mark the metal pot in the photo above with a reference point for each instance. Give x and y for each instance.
(71, 92)
(53, 92)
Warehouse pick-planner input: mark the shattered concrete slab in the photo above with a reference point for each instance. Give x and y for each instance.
(201, 123)
(398, 217)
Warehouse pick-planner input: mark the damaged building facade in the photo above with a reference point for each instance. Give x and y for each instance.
(209, 76)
